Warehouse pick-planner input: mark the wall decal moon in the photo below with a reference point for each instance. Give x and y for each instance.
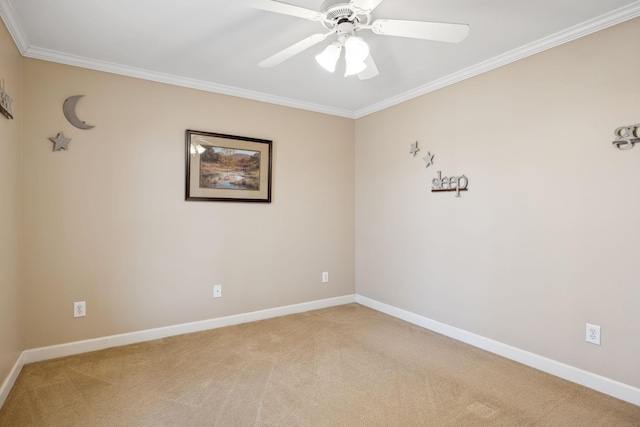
(69, 109)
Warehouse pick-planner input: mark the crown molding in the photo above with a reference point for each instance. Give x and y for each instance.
(109, 67)
(9, 17)
(588, 27)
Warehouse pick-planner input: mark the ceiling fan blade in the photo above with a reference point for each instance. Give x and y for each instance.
(293, 50)
(437, 31)
(371, 71)
(285, 8)
(366, 5)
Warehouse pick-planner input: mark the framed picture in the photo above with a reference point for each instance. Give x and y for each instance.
(227, 168)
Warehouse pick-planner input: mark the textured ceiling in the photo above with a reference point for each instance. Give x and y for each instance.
(215, 45)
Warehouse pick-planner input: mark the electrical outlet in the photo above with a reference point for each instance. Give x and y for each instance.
(80, 309)
(217, 291)
(593, 334)
(325, 277)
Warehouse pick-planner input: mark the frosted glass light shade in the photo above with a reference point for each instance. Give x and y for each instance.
(354, 67)
(329, 57)
(356, 51)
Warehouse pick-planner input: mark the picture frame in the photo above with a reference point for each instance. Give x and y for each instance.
(227, 168)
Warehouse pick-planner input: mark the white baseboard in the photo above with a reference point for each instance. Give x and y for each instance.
(593, 381)
(596, 382)
(69, 349)
(11, 379)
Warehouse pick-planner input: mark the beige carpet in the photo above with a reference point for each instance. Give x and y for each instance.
(342, 366)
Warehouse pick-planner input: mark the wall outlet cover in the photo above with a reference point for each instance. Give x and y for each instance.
(593, 334)
(217, 291)
(80, 309)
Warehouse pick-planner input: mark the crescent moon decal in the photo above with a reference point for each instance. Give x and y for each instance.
(69, 109)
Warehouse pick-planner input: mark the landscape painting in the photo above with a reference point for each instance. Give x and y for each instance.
(227, 168)
(223, 167)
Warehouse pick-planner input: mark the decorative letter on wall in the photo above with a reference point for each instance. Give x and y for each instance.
(440, 184)
(626, 136)
(455, 183)
(5, 102)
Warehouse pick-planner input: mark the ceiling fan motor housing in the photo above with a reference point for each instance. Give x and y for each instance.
(329, 4)
(335, 12)
(344, 27)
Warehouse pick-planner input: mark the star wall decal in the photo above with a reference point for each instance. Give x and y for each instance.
(428, 159)
(60, 142)
(414, 149)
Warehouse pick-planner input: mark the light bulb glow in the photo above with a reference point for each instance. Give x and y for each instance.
(354, 67)
(356, 51)
(329, 57)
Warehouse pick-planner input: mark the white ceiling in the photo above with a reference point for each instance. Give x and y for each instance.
(215, 45)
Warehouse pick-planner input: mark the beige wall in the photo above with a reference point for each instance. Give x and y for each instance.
(106, 221)
(10, 209)
(547, 237)
(544, 241)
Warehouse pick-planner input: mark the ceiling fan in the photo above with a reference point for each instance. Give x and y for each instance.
(345, 19)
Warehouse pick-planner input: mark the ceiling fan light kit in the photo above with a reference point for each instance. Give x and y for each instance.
(329, 56)
(356, 51)
(345, 19)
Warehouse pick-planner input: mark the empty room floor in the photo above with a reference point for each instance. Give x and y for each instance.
(340, 366)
